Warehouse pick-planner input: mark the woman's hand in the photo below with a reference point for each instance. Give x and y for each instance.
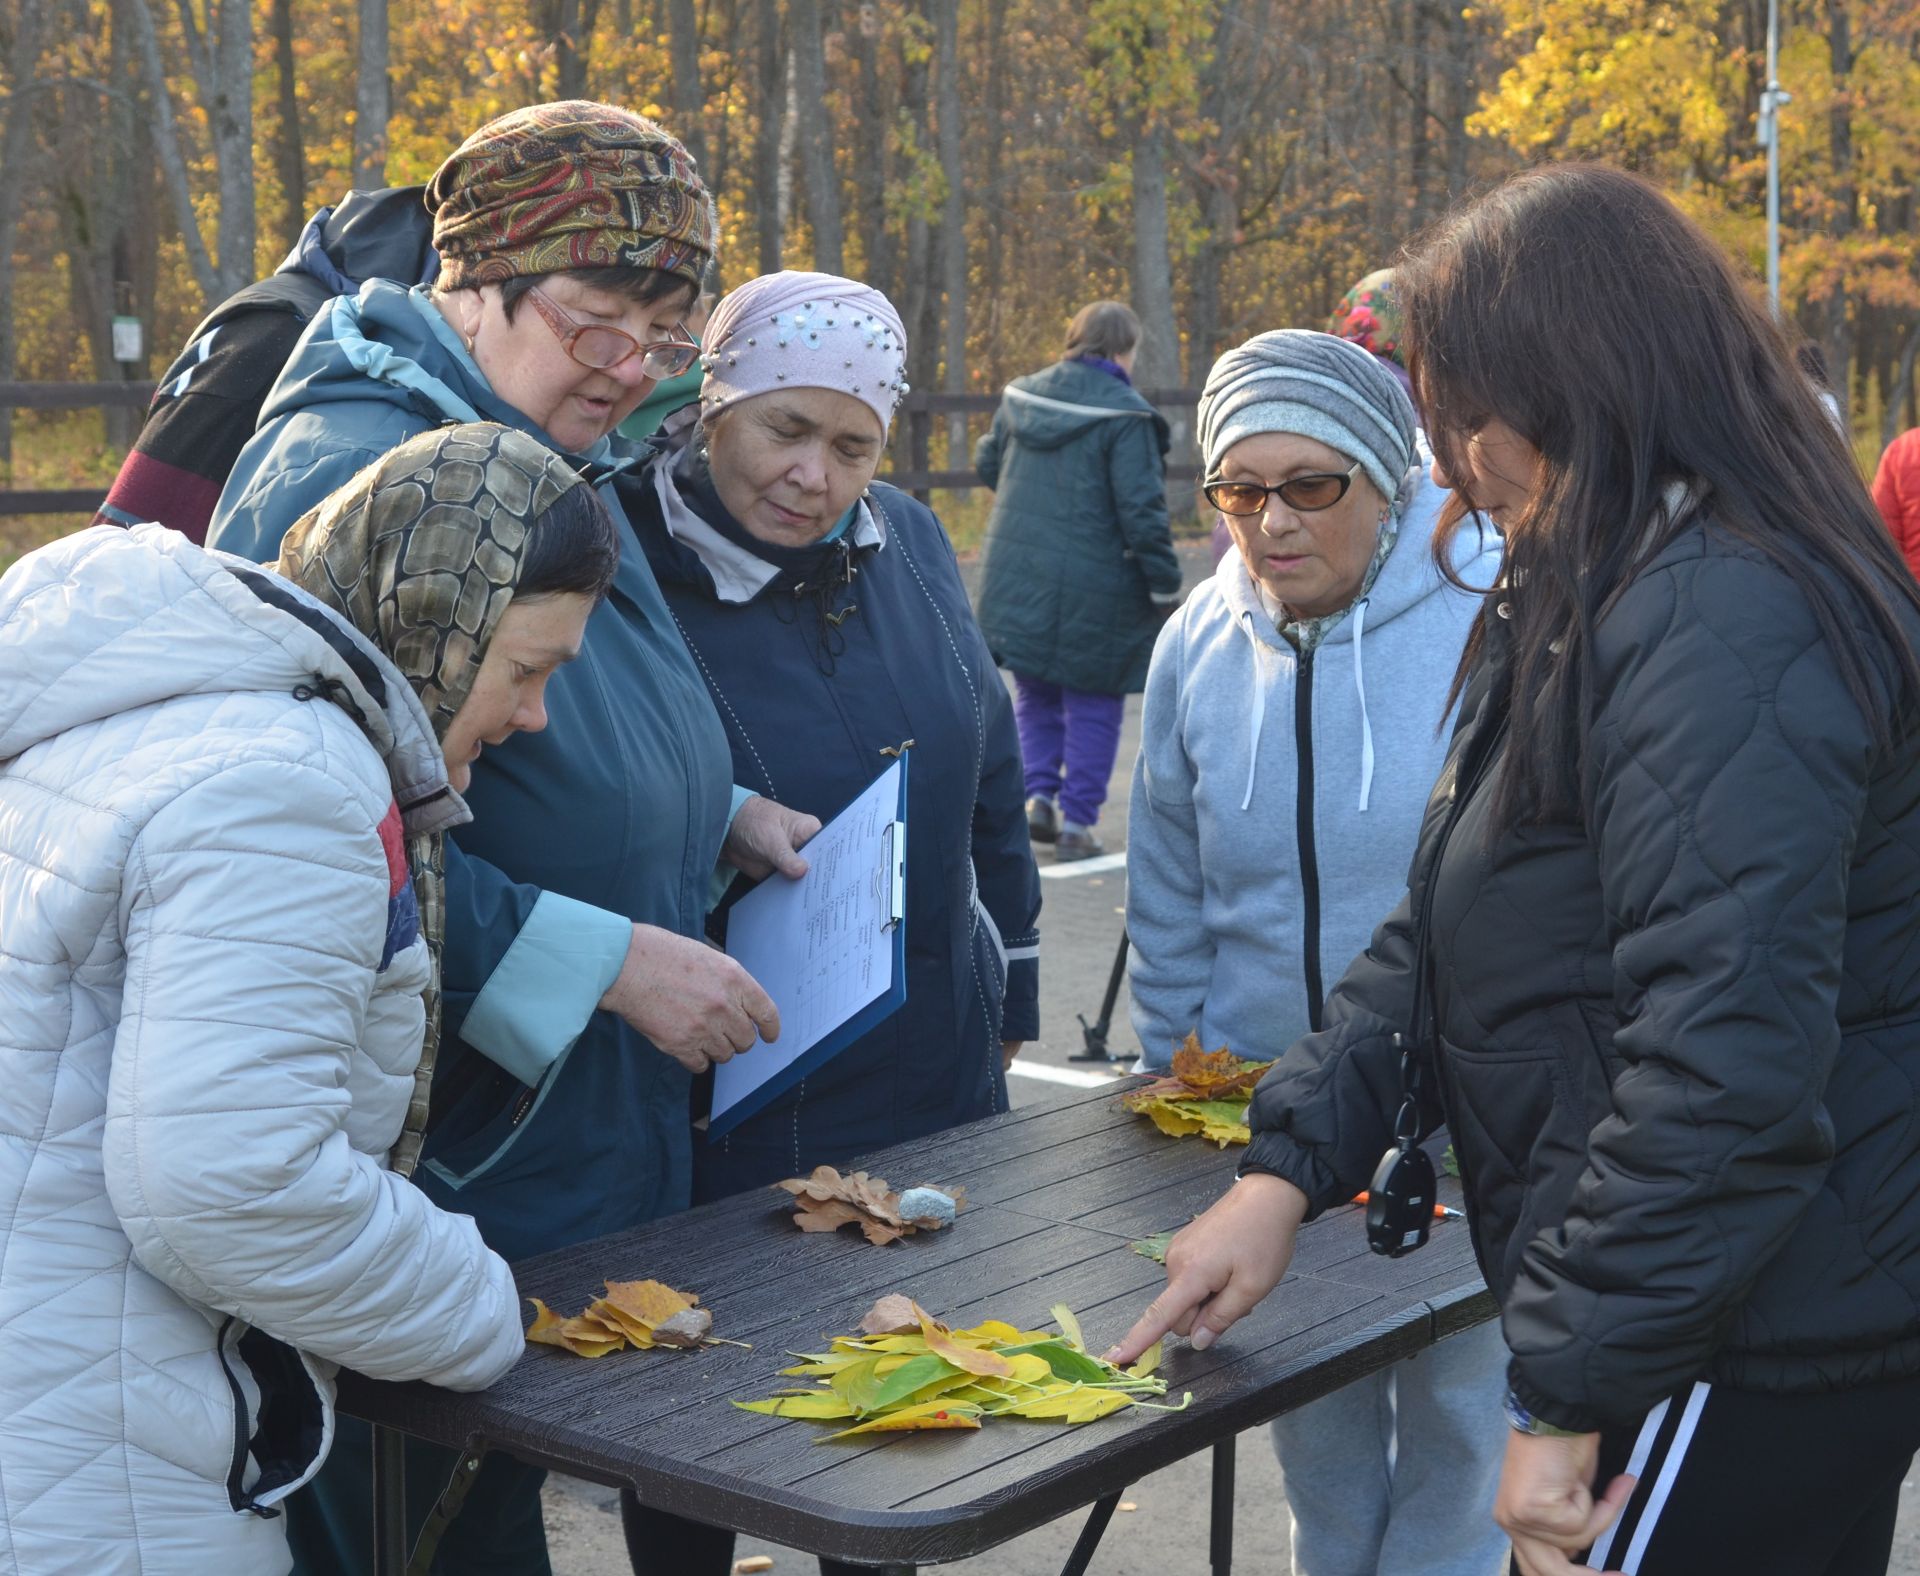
(1008, 1050)
(1220, 1267)
(1546, 1502)
(764, 837)
(693, 1002)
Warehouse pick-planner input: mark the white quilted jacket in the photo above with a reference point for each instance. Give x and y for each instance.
(209, 1018)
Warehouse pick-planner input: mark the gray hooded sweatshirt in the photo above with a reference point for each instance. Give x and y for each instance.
(1277, 798)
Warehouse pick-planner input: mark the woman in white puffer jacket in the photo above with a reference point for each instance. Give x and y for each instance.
(222, 794)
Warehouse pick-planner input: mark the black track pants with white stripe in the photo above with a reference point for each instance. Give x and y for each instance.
(1738, 1481)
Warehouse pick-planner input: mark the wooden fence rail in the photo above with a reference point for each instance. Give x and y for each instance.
(914, 443)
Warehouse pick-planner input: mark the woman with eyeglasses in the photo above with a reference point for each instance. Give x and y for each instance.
(1290, 737)
(580, 997)
(1657, 956)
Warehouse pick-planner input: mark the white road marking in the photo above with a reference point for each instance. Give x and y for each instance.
(1086, 867)
(1072, 1076)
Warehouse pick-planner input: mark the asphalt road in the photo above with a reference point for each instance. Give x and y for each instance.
(1166, 1533)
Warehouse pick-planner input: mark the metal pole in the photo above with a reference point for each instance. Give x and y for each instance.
(389, 1502)
(1771, 98)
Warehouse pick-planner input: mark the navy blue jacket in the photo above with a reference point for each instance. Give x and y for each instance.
(808, 705)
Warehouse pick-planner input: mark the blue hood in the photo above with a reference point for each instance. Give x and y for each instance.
(390, 343)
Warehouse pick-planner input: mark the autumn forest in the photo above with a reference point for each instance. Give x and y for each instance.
(1228, 165)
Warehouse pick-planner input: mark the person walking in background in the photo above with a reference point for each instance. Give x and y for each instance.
(1288, 746)
(1079, 567)
(1656, 966)
(1896, 491)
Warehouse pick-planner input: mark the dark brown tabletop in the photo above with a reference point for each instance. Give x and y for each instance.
(1056, 1192)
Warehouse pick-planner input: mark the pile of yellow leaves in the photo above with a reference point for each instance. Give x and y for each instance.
(1206, 1094)
(633, 1313)
(826, 1201)
(906, 1370)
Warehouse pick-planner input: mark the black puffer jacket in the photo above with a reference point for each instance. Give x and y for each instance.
(1680, 1050)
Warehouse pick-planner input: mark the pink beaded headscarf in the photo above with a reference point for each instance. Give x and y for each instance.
(804, 331)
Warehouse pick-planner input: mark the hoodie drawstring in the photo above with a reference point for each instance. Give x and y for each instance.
(1259, 709)
(1366, 723)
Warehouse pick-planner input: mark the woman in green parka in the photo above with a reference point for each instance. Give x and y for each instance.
(579, 999)
(1080, 570)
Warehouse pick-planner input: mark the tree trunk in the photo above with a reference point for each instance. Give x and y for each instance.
(570, 51)
(1456, 27)
(771, 78)
(1846, 202)
(173, 165)
(372, 98)
(16, 157)
(685, 93)
(1419, 171)
(1898, 396)
(816, 135)
(228, 100)
(1158, 364)
(921, 308)
(289, 147)
(953, 221)
(871, 108)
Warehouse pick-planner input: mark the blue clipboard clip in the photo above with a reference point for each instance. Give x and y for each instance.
(895, 855)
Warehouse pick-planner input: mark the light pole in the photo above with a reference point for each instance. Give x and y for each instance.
(1771, 99)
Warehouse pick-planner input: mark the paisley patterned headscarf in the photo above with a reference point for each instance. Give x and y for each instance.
(573, 184)
(421, 553)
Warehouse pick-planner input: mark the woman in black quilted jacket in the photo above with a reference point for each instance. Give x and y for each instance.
(1660, 959)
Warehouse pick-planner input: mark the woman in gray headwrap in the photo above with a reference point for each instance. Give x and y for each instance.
(1288, 745)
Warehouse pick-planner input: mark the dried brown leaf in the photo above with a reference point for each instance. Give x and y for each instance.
(896, 1314)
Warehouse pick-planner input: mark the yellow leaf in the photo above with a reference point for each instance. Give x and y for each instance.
(820, 1407)
(971, 1359)
(1072, 1406)
(583, 1337)
(1069, 1325)
(1146, 1362)
(927, 1414)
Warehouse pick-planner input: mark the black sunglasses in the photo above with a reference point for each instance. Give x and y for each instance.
(1308, 494)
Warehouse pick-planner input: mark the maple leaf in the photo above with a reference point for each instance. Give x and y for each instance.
(1207, 1094)
(1215, 1074)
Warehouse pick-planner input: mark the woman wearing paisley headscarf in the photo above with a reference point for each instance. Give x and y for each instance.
(830, 622)
(224, 798)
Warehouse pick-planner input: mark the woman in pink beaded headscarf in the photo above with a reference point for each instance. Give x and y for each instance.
(826, 613)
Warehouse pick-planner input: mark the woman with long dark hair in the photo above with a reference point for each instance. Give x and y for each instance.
(1658, 954)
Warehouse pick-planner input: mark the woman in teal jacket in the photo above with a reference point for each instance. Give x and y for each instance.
(579, 1001)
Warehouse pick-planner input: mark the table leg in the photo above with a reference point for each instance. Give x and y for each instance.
(389, 1503)
(1220, 1533)
(1090, 1535)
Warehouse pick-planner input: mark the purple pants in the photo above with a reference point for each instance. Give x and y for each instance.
(1067, 733)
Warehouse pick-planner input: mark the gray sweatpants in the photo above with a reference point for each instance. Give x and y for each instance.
(1395, 1474)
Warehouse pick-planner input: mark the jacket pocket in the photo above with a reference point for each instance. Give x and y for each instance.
(1516, 1131)
(282, 1418)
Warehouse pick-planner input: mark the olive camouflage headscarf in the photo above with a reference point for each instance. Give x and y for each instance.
(421, 553)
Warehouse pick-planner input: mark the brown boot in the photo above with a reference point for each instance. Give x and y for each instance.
(1043, 821)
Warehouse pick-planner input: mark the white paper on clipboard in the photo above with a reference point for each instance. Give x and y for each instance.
(823, 946)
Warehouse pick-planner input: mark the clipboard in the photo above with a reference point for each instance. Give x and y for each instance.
(830, 949)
